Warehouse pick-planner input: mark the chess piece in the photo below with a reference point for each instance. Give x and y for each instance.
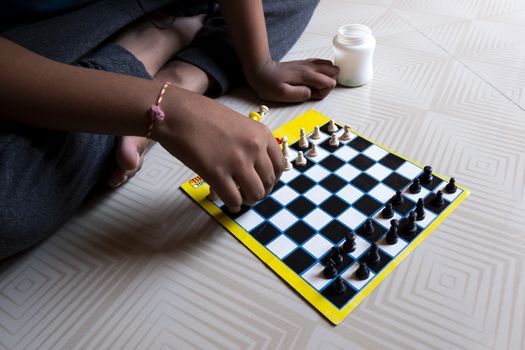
(303, 141)
(411, 223)
(415, 187)
(330, 271)
(397, 199)
(427, 177)
(332, 127)
(288, 165)
(335, 256)
(368, 227)
(451, 186)
(438, 201)
(334, 141)
(263, 110)
(420, 210)
(313, 151)
(286, 148)
(316, 135)
(392, 235)
(339, 286)
(387, 212)
(362, 273)
(373, 257)
(346, 134)
(301, 160)
(349, 244)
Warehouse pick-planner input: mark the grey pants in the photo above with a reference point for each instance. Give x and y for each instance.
(46, 175)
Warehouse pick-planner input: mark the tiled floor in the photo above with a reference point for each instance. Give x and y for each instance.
(143, 267)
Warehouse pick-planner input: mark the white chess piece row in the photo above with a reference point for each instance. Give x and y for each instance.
(305, 144)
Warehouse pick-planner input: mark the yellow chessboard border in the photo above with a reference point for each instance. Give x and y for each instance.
(198, 190)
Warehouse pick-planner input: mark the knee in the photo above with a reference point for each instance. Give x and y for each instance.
(22, 228)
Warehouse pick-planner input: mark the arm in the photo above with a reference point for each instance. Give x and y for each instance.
(42, 93)
(294, 81)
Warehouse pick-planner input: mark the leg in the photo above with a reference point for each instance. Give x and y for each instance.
(212, 52)
(45, 176)
(153, 48)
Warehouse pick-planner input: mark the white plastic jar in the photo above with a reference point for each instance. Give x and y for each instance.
(354, 47)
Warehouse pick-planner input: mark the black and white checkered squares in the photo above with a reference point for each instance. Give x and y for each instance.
(314, 207)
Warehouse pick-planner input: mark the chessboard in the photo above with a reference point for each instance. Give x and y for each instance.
(335, 227)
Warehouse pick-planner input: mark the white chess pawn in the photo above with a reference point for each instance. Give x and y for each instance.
(316, 135)
(334, 141)
(263, 110)
(286, 148)
(301, 160)
(332, 127)
(313, 151)
(303, 141)
(346, 134)
(288, 165)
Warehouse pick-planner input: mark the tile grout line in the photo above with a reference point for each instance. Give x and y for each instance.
(459, 61)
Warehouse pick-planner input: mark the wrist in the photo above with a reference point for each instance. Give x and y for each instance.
(254, 72)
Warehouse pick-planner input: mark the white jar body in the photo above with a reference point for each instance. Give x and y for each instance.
(354, 59)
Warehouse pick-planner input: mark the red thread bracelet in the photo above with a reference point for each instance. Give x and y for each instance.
(157, 114)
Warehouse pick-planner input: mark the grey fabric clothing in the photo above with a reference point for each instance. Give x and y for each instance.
(69, 36)
(46, 175)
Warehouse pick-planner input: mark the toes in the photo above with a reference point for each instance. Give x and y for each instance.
(118, 177)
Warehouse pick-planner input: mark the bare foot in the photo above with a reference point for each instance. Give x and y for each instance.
(186, 76)
(129, 152)
(154, 46)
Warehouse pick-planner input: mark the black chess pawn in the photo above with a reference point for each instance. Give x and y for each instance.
(335, 256)
(420, 210)
(391, 235)
(362, 272)
(330, 271)
(373, 257)
(427, 177)
(451, 186)
(411, 223)
(438, 201)
(368, 227)
(387, 212)
(349, 244)
(415, 187)
(339, 286)
(397, 199)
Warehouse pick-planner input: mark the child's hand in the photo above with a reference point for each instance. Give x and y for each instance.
(294, 81)
(238, 157)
